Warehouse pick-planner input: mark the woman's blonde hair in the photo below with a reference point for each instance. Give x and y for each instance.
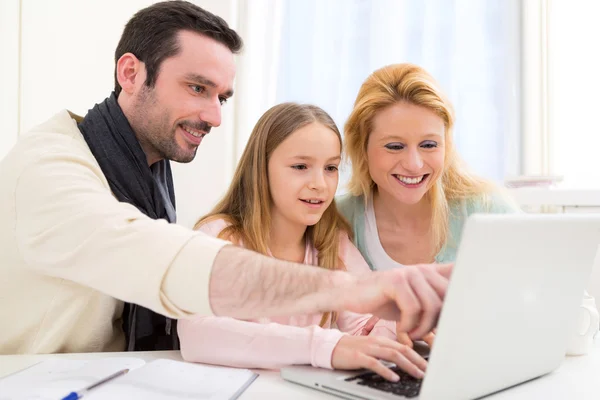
(411, 84)
(247, 207)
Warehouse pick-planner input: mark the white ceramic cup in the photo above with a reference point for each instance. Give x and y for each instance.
(588, 324)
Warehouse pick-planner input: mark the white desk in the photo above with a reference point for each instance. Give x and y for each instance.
(577, 378)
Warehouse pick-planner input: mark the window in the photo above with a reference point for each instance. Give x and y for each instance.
(328, 48)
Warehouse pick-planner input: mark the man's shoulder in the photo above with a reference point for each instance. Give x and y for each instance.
(61, 127)
(59, 134)
(56, 142)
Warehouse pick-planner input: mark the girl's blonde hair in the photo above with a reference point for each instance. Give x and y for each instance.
(246, 206)
(411, 84)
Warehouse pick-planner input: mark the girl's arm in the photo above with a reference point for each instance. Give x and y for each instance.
(235, 343)
(245, 344)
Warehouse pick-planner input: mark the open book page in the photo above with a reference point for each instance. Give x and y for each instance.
(55, 378)
(167, 379)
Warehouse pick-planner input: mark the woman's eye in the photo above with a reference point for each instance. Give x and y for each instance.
(429, 145)
(394, 146)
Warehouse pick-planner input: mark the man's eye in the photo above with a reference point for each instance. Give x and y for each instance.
(222, 100)
(197, 89)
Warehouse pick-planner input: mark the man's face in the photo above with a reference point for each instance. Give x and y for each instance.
(171, 118)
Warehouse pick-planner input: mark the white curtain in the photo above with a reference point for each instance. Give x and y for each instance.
(325, 50)
(260, 25)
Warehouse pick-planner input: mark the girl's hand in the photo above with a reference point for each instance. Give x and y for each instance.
(355, 352)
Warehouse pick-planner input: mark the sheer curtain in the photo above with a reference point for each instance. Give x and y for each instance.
(325, 50)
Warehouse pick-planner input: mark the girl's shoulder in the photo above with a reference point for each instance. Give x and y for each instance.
(213, 227)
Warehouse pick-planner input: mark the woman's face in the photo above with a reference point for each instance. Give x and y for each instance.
(405, 151)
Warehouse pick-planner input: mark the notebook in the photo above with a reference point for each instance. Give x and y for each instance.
(160, 379)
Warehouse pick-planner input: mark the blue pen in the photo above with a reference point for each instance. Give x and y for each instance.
(81, 393)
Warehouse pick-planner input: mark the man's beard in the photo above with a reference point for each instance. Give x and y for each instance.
(152, 126)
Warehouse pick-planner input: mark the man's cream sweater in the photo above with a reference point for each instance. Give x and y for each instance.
(71, 254)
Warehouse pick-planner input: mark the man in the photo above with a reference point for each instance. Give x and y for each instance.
(86, 247)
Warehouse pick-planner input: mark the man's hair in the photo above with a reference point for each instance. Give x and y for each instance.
(151, 34)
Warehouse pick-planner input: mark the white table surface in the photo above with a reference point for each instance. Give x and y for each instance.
(577, 378)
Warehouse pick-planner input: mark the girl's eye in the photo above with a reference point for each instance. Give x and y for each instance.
(394, 146)
(332, 168)
(299, 166)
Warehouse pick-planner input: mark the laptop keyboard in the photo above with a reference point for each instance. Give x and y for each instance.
(407, 386)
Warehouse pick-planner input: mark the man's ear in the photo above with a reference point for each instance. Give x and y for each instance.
(130, 72)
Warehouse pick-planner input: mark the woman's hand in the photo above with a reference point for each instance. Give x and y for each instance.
(355, 352)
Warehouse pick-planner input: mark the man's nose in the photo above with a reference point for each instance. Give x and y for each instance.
(211, 114)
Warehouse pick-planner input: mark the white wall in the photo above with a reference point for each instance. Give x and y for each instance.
(9, 74)
(574, 88)
(67, 50)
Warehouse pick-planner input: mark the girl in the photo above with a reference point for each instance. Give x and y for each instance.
(281, 203)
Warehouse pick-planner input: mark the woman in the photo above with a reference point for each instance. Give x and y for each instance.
(410, 193)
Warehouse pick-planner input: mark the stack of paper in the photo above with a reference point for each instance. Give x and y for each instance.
(157, 380)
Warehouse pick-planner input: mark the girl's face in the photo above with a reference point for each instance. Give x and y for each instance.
(405, 151)
(303, 175)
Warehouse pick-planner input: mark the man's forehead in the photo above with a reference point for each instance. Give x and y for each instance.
(202, 57)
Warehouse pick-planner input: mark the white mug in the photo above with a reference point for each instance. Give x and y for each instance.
(588, 324)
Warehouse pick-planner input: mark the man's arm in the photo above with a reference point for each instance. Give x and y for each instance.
(265, 286)
(244, 284)
(68, 225)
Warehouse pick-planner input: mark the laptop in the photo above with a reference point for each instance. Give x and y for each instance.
(510, 308)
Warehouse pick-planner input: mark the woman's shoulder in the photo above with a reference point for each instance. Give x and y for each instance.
(494, 201)
(350, 205)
